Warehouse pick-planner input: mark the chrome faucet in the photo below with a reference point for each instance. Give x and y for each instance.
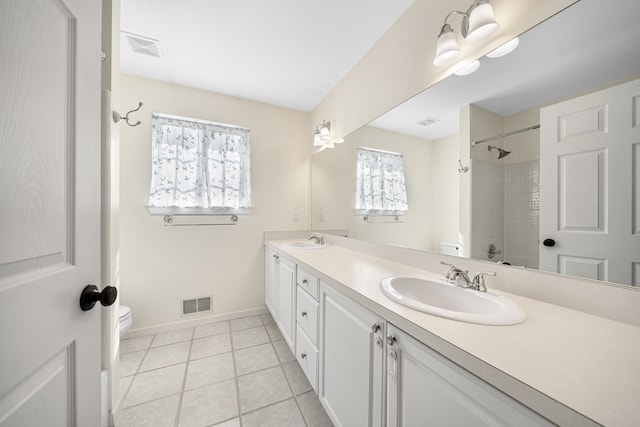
(461, 278)
(456, 276)
(478, 281)
(319, 239)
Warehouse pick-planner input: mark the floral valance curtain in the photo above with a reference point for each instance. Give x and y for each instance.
(380, 182)
(199, 164)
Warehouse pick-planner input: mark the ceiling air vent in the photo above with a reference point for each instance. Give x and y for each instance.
(428, 121)
(143, 45)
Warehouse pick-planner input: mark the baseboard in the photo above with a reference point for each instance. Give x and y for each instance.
(188, 323)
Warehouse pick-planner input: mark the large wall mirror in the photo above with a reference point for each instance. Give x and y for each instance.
(528, 200)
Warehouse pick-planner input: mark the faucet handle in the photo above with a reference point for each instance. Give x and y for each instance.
(451, 266)
(478, 280)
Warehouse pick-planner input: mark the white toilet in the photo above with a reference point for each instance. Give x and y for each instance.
(450, 248)
(124, 313)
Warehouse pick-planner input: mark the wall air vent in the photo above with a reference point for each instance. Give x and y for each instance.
(143, 45)
(196, 305)
(428, 121)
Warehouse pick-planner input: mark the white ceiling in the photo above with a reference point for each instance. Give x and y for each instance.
(289, 53)
(590, 44)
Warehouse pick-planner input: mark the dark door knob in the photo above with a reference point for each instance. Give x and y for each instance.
(90, 296)
(549, 242)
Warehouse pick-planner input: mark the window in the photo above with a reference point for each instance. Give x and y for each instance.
(380, 183)
(200, 166)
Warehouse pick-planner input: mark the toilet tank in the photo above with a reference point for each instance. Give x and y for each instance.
(450, 248)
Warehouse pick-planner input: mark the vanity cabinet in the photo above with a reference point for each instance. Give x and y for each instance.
(424, 388)
(307, 308)
(280, 288)
(351, 361)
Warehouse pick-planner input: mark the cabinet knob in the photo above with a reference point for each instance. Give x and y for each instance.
(549, 243)
(303, 355)
(379, 342)
(305, 281)
(391, 340)
(375, 328)
(303, 314)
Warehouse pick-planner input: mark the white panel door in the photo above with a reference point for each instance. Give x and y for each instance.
(425, 389)
(286, 318)
(351, 361)
(270, 281)
(50, 211)
(589, 180)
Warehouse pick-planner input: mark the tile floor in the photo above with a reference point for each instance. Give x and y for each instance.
(232, 373)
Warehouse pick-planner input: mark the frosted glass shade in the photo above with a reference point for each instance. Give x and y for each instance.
(471, 68)
(481, 22)
(505, 49)
(447, 50)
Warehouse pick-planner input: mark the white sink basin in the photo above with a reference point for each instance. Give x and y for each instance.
(440, 298)
(303, 244)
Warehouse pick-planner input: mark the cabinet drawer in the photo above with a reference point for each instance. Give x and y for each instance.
(307, 315)
(308, 282)
(307, 356)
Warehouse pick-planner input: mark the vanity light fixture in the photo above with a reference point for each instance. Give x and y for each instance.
(478, 23)
(322, 133)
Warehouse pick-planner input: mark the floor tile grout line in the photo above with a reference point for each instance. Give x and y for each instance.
(184, 380)
(135, 375)
(235, 378)
(293, 393)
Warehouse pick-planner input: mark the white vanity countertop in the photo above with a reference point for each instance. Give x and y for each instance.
(558, 359)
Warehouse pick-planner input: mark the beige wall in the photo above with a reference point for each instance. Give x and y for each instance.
(161, 265)
(400, 65)
(446, 190)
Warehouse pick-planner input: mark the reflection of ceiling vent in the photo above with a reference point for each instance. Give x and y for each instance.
(428, 121)
(143, 45)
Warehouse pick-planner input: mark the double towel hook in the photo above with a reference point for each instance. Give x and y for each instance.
(117, 117)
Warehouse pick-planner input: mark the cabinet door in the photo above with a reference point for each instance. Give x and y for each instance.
(286, 319)
(424, 388)
(270, 282)
(351, 361)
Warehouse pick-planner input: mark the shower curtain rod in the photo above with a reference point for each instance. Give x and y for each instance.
(473, 143)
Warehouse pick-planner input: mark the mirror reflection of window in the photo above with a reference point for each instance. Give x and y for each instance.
(380, 182)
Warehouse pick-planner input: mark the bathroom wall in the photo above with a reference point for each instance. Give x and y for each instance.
(446, 190)
(161, 265)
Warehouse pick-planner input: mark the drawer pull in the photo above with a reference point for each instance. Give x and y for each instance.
(303, 314)
(375, 328)
(305, 282)
(303, 355)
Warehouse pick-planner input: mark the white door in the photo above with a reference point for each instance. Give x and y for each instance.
(590, 185)
(351, 361)
(270, 284)
(425, 389)
(49, 211)
(286, 301)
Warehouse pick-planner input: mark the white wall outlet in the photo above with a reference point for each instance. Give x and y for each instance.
(296, 215)
(321, 215)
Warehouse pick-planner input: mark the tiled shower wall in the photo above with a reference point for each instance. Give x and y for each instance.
(487, 215)
(506, 211)
(522, 213)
